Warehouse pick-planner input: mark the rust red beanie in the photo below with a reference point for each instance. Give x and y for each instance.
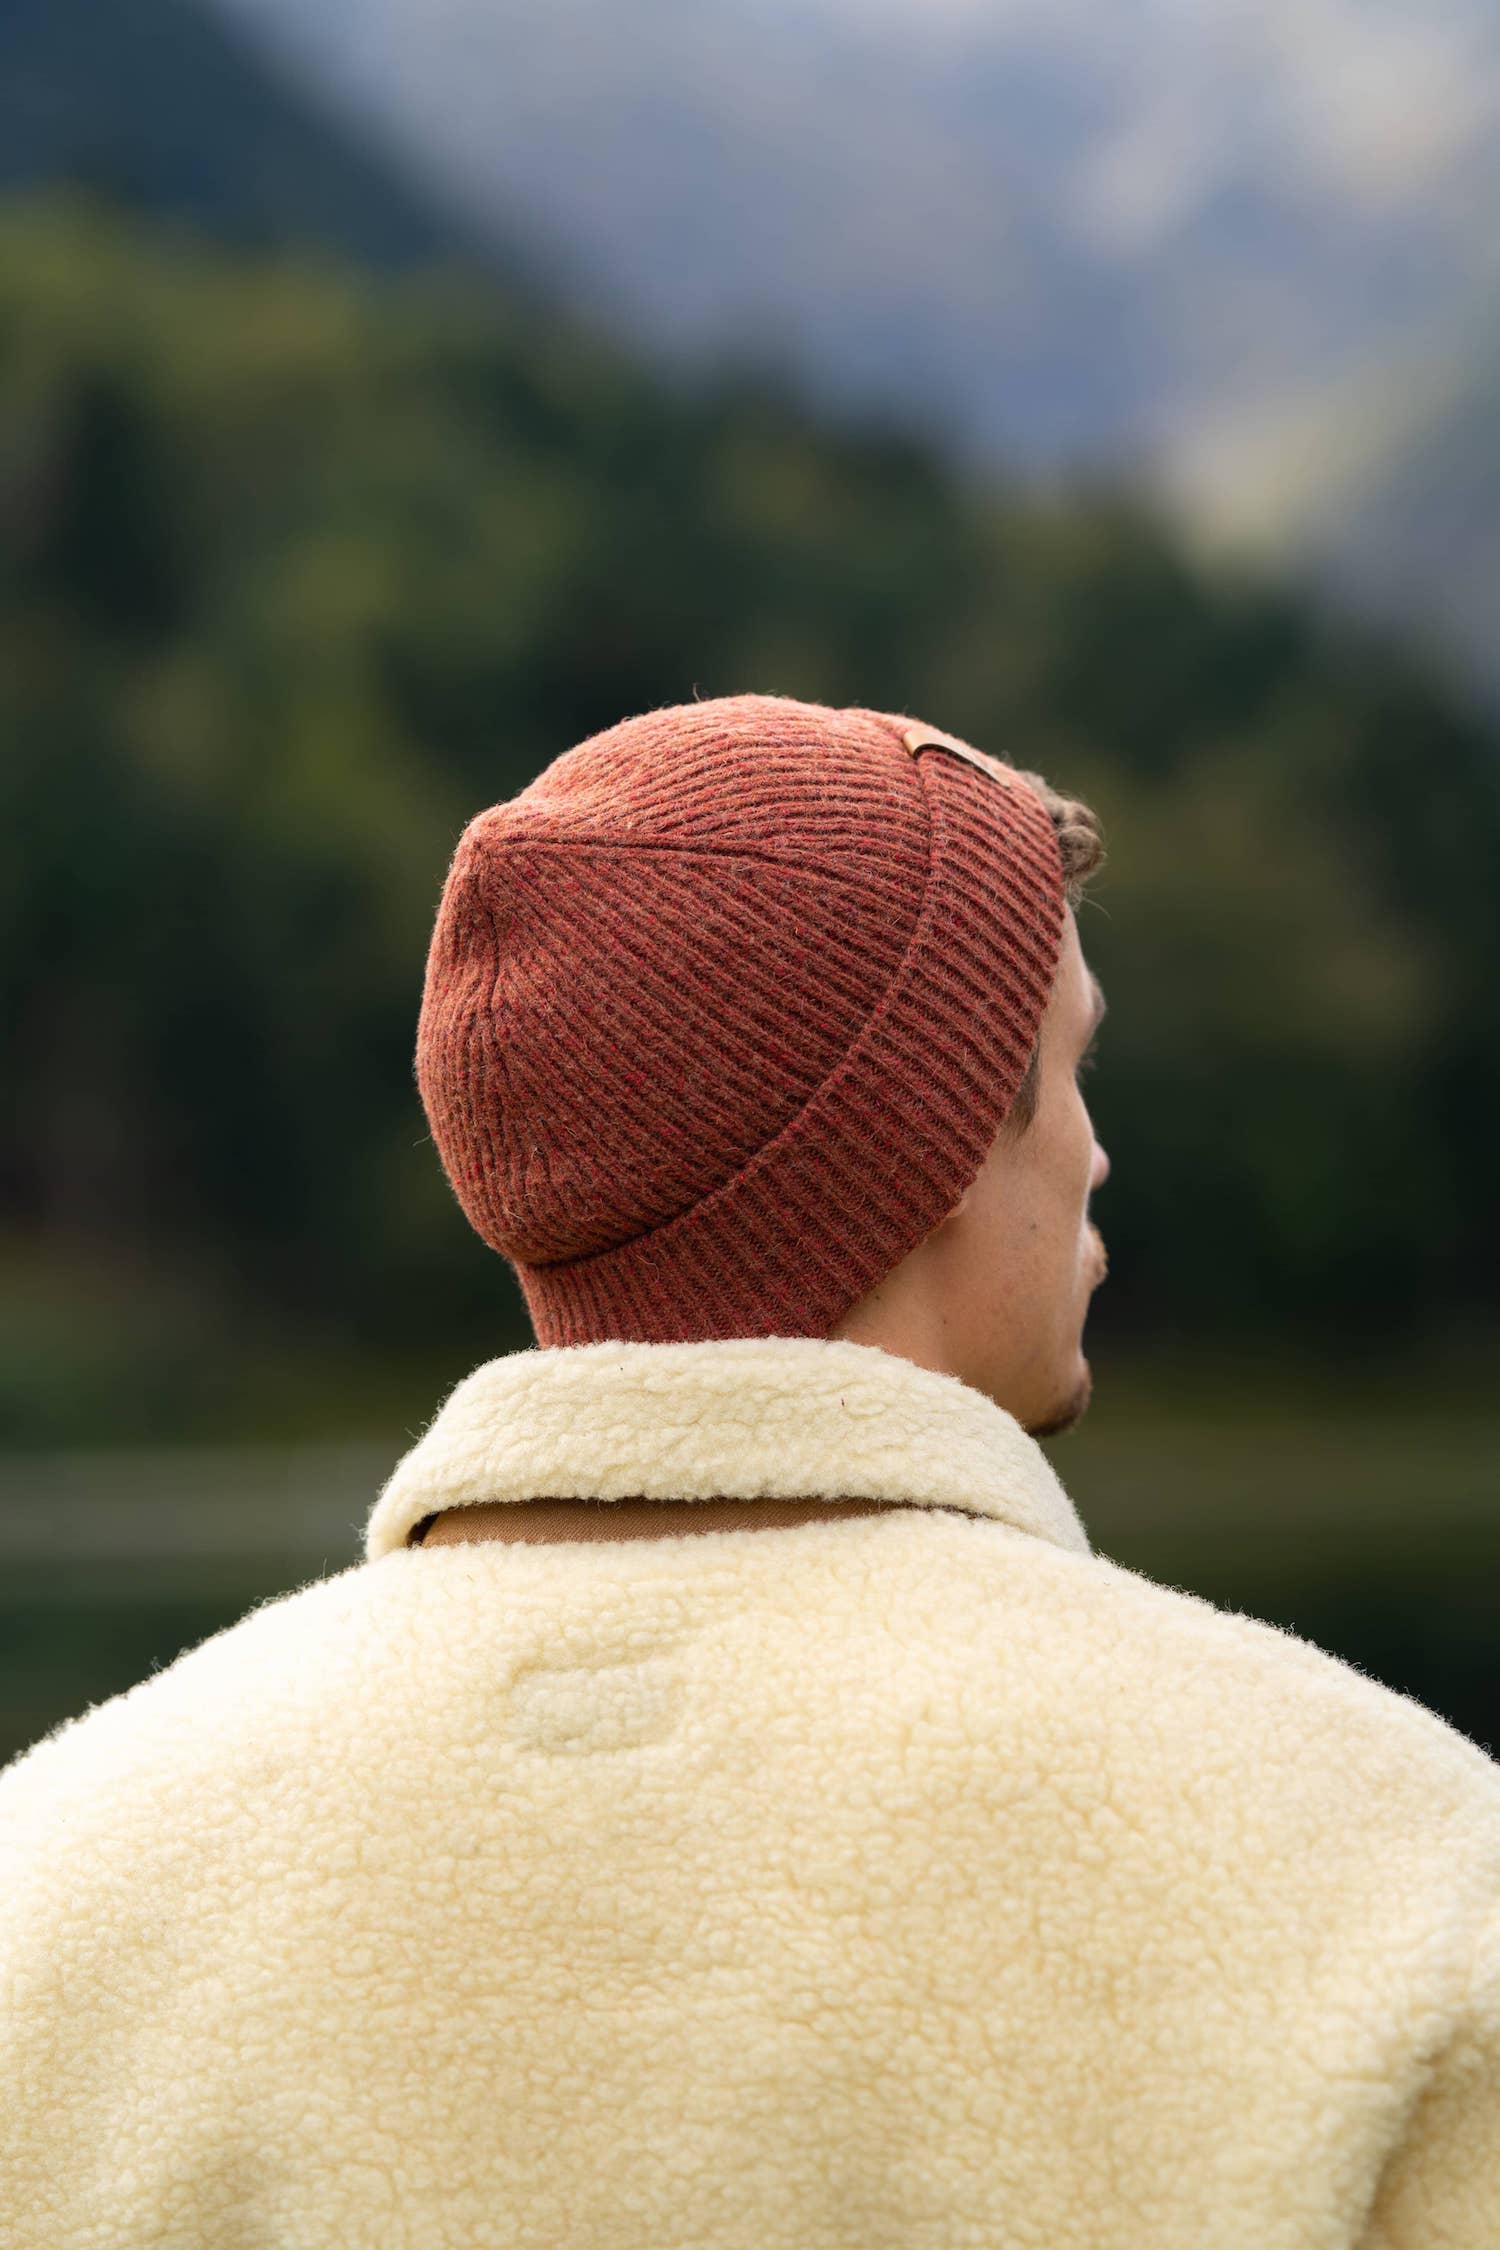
(723, 1012)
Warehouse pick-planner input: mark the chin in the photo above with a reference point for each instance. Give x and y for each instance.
(1070, 1408)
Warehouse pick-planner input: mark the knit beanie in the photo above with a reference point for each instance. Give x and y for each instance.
(723, 1011)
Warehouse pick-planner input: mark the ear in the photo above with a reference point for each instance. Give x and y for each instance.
(959, 1207)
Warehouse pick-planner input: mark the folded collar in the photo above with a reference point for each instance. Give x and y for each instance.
(743, 1418)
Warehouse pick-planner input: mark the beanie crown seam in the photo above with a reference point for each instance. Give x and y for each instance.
(812, 866)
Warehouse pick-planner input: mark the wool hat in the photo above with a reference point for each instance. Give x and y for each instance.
(723, 1011)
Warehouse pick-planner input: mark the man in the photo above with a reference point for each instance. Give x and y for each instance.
(838, 1852)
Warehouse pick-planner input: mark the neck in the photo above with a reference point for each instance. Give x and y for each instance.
(549, 1520)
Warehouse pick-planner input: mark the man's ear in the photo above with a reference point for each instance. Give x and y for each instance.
(959, 1207)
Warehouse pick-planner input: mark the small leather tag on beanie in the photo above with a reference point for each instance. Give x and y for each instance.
(930, 738)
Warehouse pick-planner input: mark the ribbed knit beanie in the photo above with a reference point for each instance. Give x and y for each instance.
(723, 1011)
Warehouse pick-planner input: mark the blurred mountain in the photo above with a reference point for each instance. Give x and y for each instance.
(1386, 489)
(1059, 228)
(169, 107)
(1238, 253)
(1198, 245)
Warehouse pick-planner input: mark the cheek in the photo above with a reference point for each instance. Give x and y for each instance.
(1074, 1129)
(1076, 1156)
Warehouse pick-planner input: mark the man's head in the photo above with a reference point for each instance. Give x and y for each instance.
(736, 1008)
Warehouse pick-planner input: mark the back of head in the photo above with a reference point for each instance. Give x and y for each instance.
(723, 1012)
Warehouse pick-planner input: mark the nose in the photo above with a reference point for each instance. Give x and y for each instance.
(1100, 1172)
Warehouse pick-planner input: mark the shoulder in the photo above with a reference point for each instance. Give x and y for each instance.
(1215, 1649)
(1302, 1730)
(1175, 1684)
(241, 1702)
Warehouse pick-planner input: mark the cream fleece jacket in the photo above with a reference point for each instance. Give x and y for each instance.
(906, 1882)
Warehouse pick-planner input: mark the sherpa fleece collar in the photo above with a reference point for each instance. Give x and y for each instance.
(747, 1418)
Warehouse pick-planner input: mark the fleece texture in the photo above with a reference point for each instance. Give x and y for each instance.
(914, 1881)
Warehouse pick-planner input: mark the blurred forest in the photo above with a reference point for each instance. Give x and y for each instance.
(302, 568)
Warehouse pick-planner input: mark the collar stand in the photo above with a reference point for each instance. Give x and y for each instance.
(750, 1418)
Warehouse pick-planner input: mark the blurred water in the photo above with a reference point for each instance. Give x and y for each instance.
(302, 1505)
